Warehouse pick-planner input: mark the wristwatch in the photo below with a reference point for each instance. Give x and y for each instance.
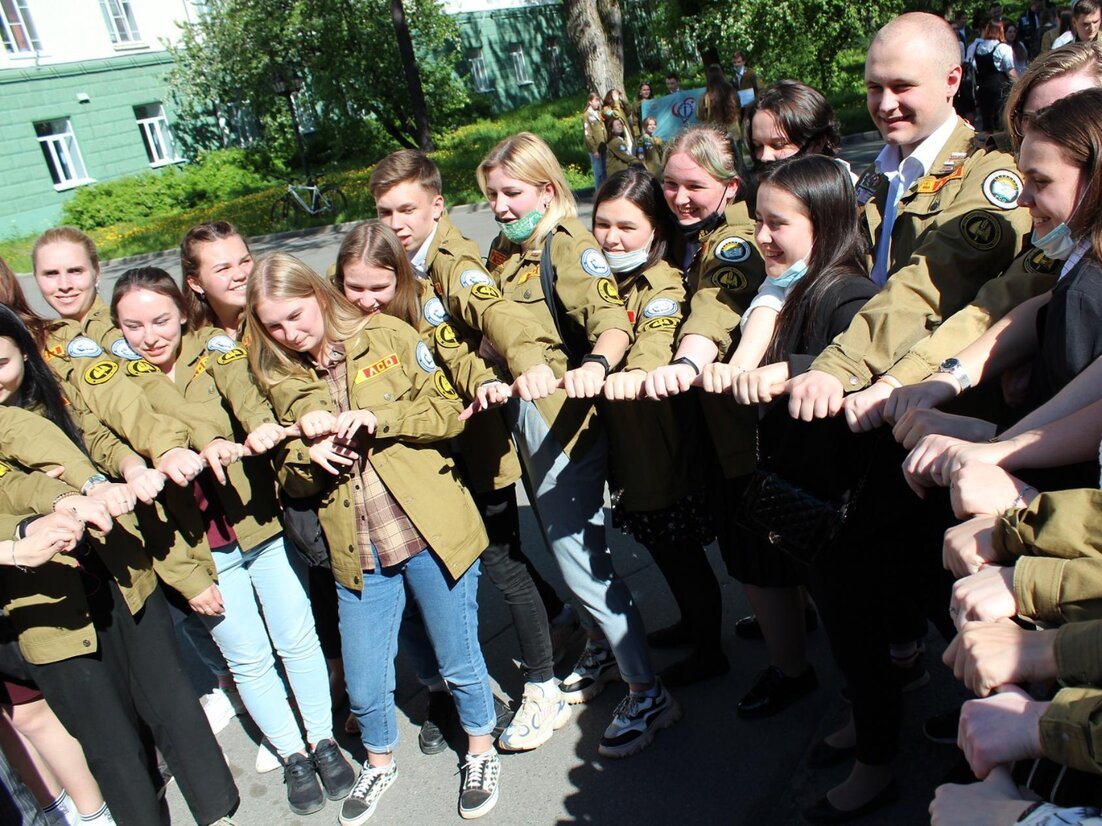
(93, 480)
(954, 368)
(597, 358)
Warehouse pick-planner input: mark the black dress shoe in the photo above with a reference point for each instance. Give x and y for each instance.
(702, 664)
(504, 716)
(671, 636)
(433, 738)
(748, 628)
(823, 754)
(774, 691)
(825, 812)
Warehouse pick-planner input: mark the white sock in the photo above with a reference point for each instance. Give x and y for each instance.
(548, 685)
(62, 811)
(100, 817)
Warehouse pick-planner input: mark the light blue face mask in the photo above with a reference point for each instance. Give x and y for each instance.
(628, 261)
(1057, 243)
(790, 276)
(521, 229)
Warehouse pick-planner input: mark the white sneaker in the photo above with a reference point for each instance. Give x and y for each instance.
(361, 801)
(218, 708)
(595, 667)
(266, 759)
(482, 775)
(636, 720)
(543, 710)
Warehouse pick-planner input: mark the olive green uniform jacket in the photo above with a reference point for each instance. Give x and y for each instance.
(955, 229)
(584, 286)
(655, 453)
(723, 279)
(416, 408)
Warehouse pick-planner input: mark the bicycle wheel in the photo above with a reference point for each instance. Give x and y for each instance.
(331, 200)
(282, 212)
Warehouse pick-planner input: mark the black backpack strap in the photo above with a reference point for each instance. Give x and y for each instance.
(547, 281)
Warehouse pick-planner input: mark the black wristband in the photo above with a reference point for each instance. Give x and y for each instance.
(688, 361)
(21, 528)
(597, 358)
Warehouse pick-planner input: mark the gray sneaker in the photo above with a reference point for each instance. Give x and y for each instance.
(360, 804)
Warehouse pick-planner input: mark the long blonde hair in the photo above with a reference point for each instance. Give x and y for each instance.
(527, 157)
(282, 276)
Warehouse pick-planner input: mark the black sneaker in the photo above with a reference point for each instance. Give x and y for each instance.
(337, 775)
(503, 713)
(636, 720)
(481, 777)
(774, 691)
(303, 790)
(433, 738)
(748, 628)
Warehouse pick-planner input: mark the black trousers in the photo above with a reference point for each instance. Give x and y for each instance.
(519, 582)
(136, 672)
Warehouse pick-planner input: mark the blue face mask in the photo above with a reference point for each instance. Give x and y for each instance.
(790, 276)
(1057, 243)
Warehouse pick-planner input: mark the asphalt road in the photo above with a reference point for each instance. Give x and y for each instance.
(712, 767)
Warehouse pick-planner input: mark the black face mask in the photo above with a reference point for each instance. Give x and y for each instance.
(706, 224)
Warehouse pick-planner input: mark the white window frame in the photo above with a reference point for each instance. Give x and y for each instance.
(479, 76)
(520, 65)
(122, 26)
(15, 18)
(62, 153)
(160, 146)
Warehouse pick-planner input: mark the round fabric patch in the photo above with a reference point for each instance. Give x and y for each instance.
(729, 278)
(221, 344)
(658, 307)
(121, 348)
(140, 367)
(424, 357)
(83, 347)
(658, 324)
(485, 291)
(607, 291)
(595, 264)
(733, 250)
(1002, 188)
(233, 355)
(101, 372)
(434, 311)
(981, 230)
(1038, 262)
(471, 277)
(446, 336)
(443, 386)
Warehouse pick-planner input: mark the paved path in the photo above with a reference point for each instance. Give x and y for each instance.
(711, 767)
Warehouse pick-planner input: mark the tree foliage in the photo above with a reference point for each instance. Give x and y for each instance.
(798, 39)
(345, 53)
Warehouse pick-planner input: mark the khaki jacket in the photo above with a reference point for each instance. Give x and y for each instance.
(584, 286)
(1071, 729)
(654, 449)
(47, 605)
(596, 136)
(392, 374)
(1031, 274)
(955, 229)
(723, 279)
(36, 443)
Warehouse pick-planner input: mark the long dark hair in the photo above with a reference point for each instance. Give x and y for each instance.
(825, 189)
(39, 387)
(12, 297)
(804, 115)
(720, 96)
(642, 189)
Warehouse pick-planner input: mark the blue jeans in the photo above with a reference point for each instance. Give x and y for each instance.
(599, 169)
(369, 642)
(277, 578)
(569, 502)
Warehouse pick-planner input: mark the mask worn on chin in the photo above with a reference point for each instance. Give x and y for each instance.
(521, 229)
(628, 261)
(1057, 243)
(702, 226)
(790, 276)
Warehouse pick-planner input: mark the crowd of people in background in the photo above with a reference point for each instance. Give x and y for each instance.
(877, 390)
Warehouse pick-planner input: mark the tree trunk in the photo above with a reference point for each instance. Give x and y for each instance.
(413, 76)
(595, 28)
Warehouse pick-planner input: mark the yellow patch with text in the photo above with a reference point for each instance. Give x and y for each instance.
(607, 290)
(140, 367)
(485, 291)
(378, 368)
(665, 322)
(446, 336)
(100, 372)
(444, 387)
(981, 230)
(730, 278)
(233, 355)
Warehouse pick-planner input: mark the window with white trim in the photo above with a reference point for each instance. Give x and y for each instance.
(121, 25)
(17, 28)
(520, 65)
(479, 76)
(59, 148)
(159, 145)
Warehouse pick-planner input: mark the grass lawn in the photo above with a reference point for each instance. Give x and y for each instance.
(457, 155)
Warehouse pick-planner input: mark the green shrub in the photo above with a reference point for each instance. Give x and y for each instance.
(215, 177)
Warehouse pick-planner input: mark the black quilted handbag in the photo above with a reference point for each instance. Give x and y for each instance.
(788, 517)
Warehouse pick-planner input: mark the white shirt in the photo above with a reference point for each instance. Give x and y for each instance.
(422, 254)
(770, 296)
(1004, 55)
(1064, 39)
(902, 173)
(1075, 257)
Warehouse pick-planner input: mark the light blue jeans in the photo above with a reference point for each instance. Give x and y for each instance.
(570, 506)
(276, 578)
(369, 643)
